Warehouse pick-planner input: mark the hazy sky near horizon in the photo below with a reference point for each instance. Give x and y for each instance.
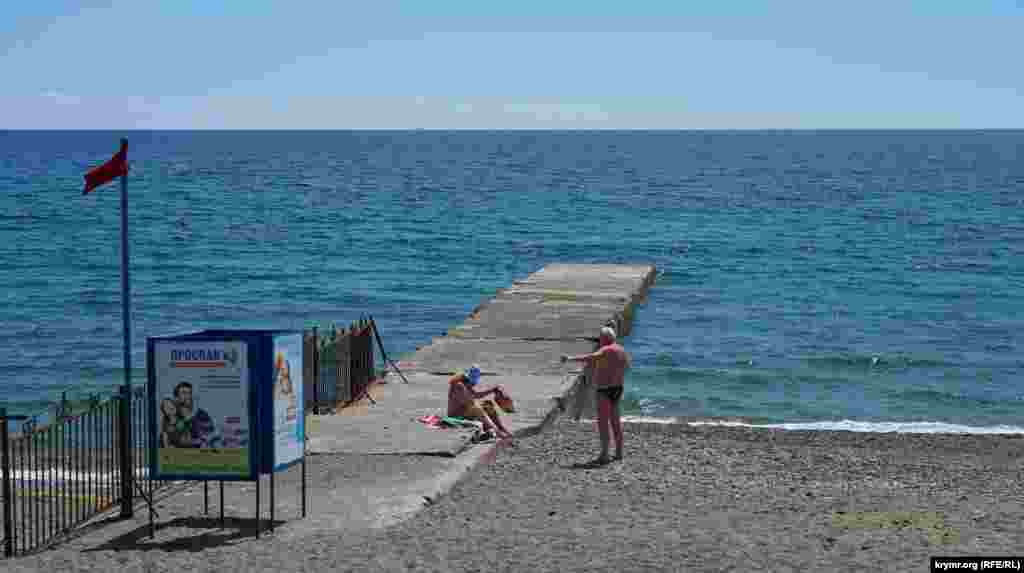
(234, 64)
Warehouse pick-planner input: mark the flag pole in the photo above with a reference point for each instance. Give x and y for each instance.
(127, 465)
(116, 167)
(125, 288)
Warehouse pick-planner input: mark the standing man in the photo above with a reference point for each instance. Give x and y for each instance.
(609, 366)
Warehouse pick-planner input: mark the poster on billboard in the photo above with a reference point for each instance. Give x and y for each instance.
(288, 419)
(201, 391)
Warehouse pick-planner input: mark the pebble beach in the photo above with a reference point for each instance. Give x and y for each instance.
(684, 499)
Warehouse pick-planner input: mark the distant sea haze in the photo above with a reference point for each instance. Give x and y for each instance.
(824, 279)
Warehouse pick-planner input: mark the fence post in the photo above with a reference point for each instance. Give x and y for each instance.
(316, 371)
(307, 371)
(359, 376)
(8, 497)
(367, 357)
(356, 375)
(343, 365)
(368, 342)
(124, 423)
(368, 352)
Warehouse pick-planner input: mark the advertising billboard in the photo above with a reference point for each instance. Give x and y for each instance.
(225, 404)
(201, 399)
(288, 426)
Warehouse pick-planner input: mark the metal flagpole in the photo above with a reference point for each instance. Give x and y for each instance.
(128, 475)
(125, 288)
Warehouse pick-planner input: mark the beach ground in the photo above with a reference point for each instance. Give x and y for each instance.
(684, 499)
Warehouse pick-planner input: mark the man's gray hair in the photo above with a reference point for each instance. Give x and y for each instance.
(608, 332)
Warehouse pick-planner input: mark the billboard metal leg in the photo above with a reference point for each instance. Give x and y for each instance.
(303, 487)
(257, 505)
(222, 505)
(271, 501)
(206, 498)
(152, 512)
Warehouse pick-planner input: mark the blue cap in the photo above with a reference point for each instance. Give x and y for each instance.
(473, 375)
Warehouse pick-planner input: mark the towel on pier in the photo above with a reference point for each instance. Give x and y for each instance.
(432, 421)
(442, 422)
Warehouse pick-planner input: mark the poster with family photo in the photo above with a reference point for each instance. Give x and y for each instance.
(202, 408)
(289, 422)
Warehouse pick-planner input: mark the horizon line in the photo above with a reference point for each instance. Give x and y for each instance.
(522, 129)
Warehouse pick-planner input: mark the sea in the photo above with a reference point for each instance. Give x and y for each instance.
(863, 280)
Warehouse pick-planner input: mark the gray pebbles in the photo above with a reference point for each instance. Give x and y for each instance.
(684, 499)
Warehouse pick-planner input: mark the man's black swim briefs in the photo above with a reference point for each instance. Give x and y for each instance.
(612, 393)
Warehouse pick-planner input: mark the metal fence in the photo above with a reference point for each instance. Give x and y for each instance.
(339, 365)
(83, 462)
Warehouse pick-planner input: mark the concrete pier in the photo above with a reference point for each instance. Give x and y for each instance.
(517, 338)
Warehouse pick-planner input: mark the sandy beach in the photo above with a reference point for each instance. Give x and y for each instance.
(684, 499)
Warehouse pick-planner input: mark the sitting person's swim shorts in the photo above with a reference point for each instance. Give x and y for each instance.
(477, 408)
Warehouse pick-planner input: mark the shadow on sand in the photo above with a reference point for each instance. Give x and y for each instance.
(199, 533)
(596, 464)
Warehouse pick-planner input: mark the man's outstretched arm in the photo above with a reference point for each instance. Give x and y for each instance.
(582, 357)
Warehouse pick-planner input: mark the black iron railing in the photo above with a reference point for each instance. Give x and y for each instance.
(77, 465)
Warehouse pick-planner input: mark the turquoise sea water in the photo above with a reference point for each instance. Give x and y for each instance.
(838, 279)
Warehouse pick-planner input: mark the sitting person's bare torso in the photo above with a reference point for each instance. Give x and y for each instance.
(458, 398)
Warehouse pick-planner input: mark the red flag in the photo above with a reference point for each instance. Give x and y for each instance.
(116, 167)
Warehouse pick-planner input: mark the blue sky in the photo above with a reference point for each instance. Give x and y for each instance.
(529, 64)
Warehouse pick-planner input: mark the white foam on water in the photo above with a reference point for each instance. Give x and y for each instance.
(847, 425)
(648, 420)
(635, 420)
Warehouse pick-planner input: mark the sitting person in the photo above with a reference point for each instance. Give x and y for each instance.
(464, 401)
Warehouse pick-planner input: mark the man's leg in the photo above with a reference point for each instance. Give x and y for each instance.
(617, 429)
(473, 411)
(604, 411)
(494, 426)
(488, 425)
(503, 431)
(492, 413)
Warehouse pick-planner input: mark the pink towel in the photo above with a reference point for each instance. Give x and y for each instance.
(432, 421)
